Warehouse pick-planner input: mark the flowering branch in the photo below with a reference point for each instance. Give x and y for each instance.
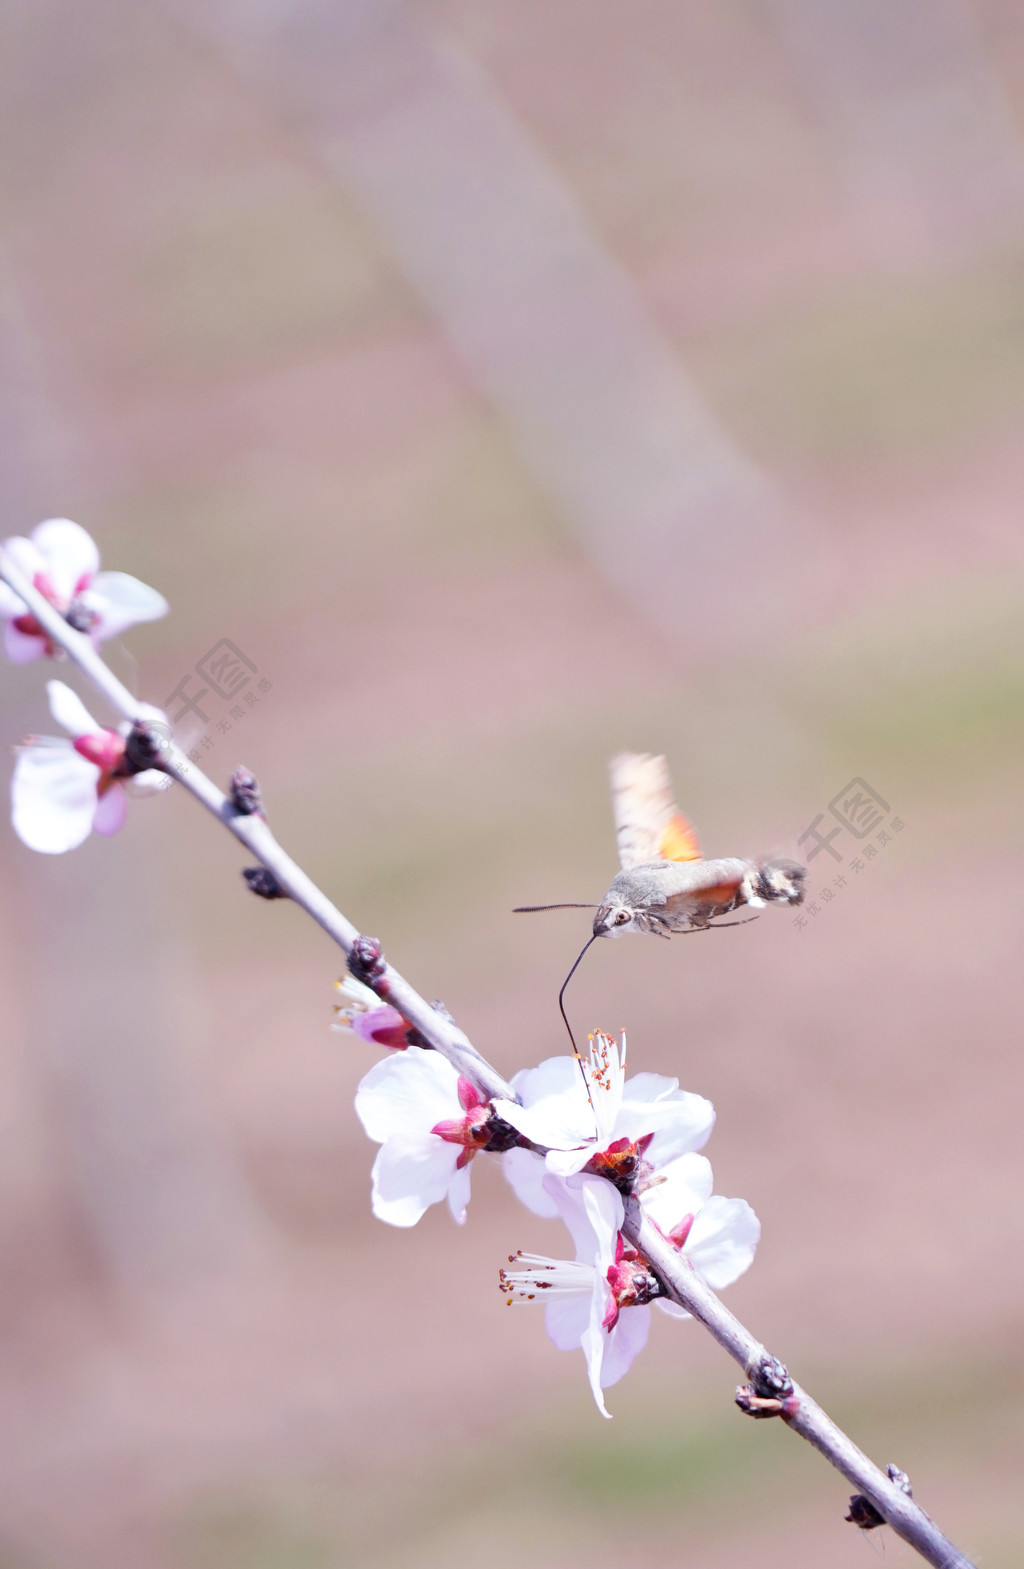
(660, 1257)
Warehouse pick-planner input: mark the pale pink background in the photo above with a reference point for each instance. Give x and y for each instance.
(514, 382)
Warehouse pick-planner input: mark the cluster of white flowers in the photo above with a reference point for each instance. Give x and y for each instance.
(63, 790)
(579, 1138)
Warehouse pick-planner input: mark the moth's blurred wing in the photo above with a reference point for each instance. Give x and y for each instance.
(648, 824)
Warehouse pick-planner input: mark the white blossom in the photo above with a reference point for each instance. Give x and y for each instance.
(64, 790)
(593, 1302)
(599, 1300)
(587, 1114)
(62, 562)
(429, 1122)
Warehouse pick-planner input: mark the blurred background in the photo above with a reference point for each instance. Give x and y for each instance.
(509, 383)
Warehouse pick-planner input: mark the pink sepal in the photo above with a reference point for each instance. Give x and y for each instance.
(469, 1096)
(452, 1130)
(105, 749)
(383, 1026)
(678, 1235)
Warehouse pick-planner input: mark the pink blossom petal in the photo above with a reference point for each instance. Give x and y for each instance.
(672, 1309)
(22, 647)
(111, 809)
(122, 601)
(381, 1026)
(69, 552)
(53, 798)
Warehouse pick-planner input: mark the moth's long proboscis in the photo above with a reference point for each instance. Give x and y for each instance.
(561, 1009)
(531, 909)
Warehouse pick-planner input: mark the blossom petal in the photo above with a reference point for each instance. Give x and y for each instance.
(151, 779)
(555, 1110)
(722, 1240)
(28, 558)
(554, 1076)
(679, 1120)
(567, 1318)
(53, 797)
(684, 1189)
(458, 1193)
(524, 1173)
(649, 1087)
(593, 1343)
(623, 1343)
(70, 554)
(593, 1211)
(10, 604)
(69, 710)
(409, 1175)
(407, 1094)
(558, 1123)
(122, 601)
(22, 647)
(671, 1308)
(566, 1163)
(111, 809)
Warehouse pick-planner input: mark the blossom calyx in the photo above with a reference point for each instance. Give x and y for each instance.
(478, 1129)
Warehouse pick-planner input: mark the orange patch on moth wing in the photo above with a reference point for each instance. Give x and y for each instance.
(706, 899)
(679, 841)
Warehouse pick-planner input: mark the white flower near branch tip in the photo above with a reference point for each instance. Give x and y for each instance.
(62, 562)
(365, 1015)
(429, 1122)
(609, 1125)
(600, 1300)
(64, 790)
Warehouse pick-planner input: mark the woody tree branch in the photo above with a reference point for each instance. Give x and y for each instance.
(771, 1391)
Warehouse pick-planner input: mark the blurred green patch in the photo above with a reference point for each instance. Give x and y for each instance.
(896, 367)
(936, 694)
(267, 263)
(576, 1485)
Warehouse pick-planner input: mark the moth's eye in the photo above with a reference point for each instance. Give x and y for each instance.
(622, 917)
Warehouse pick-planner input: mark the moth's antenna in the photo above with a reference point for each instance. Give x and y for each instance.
(561, 1009)
(531, 909)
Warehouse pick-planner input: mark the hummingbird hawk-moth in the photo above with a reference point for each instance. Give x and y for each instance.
(665, 885)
